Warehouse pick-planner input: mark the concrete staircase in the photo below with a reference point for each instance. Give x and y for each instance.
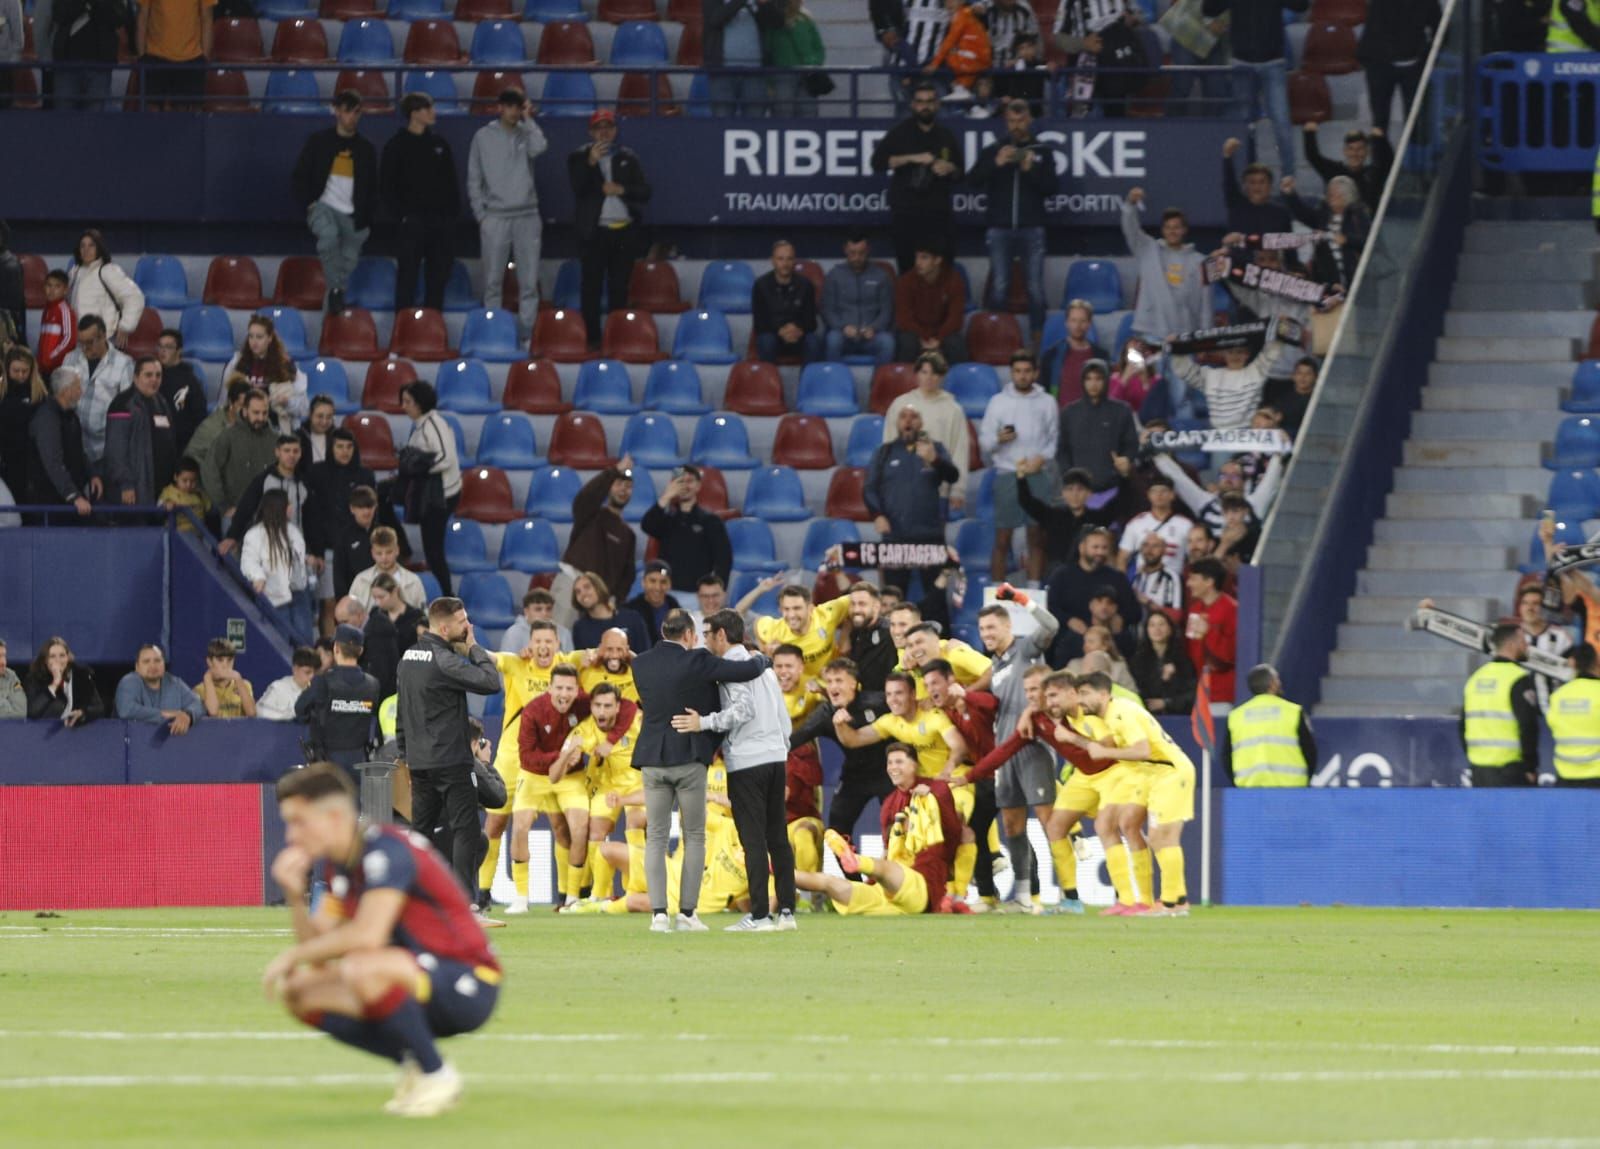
(1466, 499)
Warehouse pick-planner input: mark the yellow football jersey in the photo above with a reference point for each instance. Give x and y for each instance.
(590, 677)
(525, 679)
(969, 664)
(924, 733)
(800, 703)
(1129, 723)
(622, 742)
(717, 783)
(816, 644)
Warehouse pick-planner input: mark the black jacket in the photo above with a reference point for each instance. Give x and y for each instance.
(670, 680)
(1068, 595)
(185, 393)
(1091, 433)
(352, 554)
(1256, 31)
(587, 181)
(1250, 218)
(299, 492)
(1016, 198)
(419, 177)
(1370, 177)
(380, 653)
(886, 16)
(85, 696)
(13, 297)
(694, 543)
(774, 304)
(1356, 224)
(913, 188)
(97, 39)
(872, 650)
(340, 706)
(905, 490)
(330, 486)
(141, 449)
(60, 470)
(1061, 525)
(864, 762)
(1148, 669)
(1398, 31)
(316, 160)
(434, 680)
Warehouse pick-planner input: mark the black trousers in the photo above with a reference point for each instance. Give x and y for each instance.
(606, 264)
(424, 241)
(444, 796)
(1491, 777)
(851, 798)
(984, 812)
(908, 230)
(1382, 80)
(1579, 783)
(758, 814)
(432, 528)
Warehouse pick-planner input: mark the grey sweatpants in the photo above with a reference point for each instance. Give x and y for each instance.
(338, 243)
(684, 786)
(518, 237)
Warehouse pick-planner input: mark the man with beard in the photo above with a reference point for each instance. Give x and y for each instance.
(923, 159)
(611, 662)
(871, 645)
(601, 540)
(1076, 584)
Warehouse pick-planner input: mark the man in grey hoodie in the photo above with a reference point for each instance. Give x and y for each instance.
(505, 202)
(1172, 289)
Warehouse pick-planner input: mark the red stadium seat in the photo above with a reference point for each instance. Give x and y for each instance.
(846, 498)
(373, 86)
(477, 11)
(374, 440)
(349, 10)
(631, 336)
(237, 40)
(566, 44)
(754, 388)
(1017, 291)
(804, 443)
(974, 456)
(381, 390)
(349, 334)
(1349, 12)
(633, 96)
(578, 440)
(34, 269)
(560, 336)
(1330, 50)
(233, 281)
(300, 283)
(486, 496)
(299, 42)
(142, 341)
(691, 46)
(25, 92)
(714, 494)
(653, 286)
(889, 382)
(227, 92)
(533, 386)
(486, 91)
(621, 11)
(813, 272)
(432, 42)
(1310, 102)
(992, 336)
(684, 11)
(419, 333)
(1593, 351)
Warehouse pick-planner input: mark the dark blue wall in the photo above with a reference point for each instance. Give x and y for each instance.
(102, 589)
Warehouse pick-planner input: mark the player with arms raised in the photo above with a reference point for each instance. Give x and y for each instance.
(394, 957)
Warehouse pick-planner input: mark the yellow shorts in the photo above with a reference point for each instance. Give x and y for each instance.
(963, 798)
(511, 773)
(1114, 786)
(874, 900)
(1172, 793)
(619, 781)
(536, 792)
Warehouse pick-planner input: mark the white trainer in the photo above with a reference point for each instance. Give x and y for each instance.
(787, 923)
(519, 905)
(432, 1093)
(660, 924)
(691, 924)
(750, 925)
(409, 1072)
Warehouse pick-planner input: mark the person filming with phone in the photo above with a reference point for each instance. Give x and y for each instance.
(902, 491)
(689, 538)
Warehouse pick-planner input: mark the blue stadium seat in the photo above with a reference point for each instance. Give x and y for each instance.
(703, 337)
(726, 287)
(488, 600)
(440, 85)
(284, 10)
(1585, 397)
(508, 441)
(1052, 347)
(972, 602)
(827, 389)
(644, 496)
(163, 281)
(554, 11)
(409, 10)
(430, 586)
(494, 712)
(866, 436)
(822, 534)
(491, 335)
(975, 544)
(604, 387)
(463, 386)
(1120, 339)
(1221, 298)
(652, 440)
(776, 495)
(366, 42)
(372, 284)
(207, 334)
(743, 582)
(328, 377)
(981, 506)
(973, 385)
(454, 421)
(674, 387)
(699, 100)
(530, 546)
(1569, 532)
(1577, 444)
(291, 327)
(721, 440)
(639, 44)
(293, 93)
(464, 547)
(568, 291)
(458, 292)
(551, 493)
(1096, 280)
(567, 94)
(498, 42)
(753, 547)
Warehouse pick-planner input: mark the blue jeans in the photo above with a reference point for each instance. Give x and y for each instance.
(1214, 87)
(770, 348)
(296, 617)
(82, 89)
(1270, 93)
(880, 347)
(1026, 244)
(740, 92)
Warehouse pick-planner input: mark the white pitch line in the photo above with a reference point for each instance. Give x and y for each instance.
(1355, 1046)
(1428, 1143)
(140, 931)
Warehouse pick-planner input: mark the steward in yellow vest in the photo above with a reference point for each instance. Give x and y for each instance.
(1574, 26)
(1269, 738)
(1574, 718)
(1500, 715)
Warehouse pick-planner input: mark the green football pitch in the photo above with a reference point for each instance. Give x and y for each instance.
(1399, 1029)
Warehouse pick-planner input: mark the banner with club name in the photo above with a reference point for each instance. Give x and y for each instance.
(1234, 441)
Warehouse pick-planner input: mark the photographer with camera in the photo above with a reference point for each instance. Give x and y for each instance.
(902, 491)
(690, 539)
(1018, 172)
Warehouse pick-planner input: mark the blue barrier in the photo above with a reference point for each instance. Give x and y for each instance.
(113, 752)
(101, 587)
(1537, 113)
(50, 754)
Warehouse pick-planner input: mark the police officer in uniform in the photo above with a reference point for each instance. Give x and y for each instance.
(341, 704)
(1574, 718)
(1269, 738)
(1500, 715)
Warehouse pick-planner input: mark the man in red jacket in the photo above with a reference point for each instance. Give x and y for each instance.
(1213, 626)
(552, 779)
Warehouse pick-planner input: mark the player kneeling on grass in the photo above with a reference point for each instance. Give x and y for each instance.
(921, 830)
(394, 957)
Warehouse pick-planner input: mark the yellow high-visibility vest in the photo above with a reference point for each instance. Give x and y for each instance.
(1493, 737)
(1574, 718)
(1264, 737)
(1561, 37)
(388, 716)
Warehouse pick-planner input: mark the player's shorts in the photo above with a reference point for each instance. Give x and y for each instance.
(1114, 786)
(536, 792)
(618, 780)
(1027, 779)
(458, 998)
(1171, 793)
(964, 798)
(875, 901)
(1008, 512)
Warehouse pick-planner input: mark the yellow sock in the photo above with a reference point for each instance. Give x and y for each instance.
(617, 906)
(1117, 867)
(602, 870)
(491, 863)
(807, 856)
(1142, 876)
(519, 876)
(868, 865)
(1066, 864)
(994, 837)
(1174, 886)
(561, 871)
(577, 878)
(634, 883)
(961, 873)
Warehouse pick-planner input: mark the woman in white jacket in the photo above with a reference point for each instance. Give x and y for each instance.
(430, 432)
(273, 559)
(96, 286)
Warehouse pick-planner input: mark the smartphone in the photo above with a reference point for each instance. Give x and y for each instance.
(1010, 428)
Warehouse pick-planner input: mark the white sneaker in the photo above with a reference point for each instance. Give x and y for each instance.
(409, 1072)
(486, 921)
(660, 924)
(691, 924)
(750, 925)
(1001, 865)
(519, 905)
(1016, 906)
(432, 1093)
(787, 923)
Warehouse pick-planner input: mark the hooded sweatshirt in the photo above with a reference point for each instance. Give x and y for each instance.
(500, 169)
(1172, 289)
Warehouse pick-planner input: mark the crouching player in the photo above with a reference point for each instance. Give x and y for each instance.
(394, 957)
(921, 831)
